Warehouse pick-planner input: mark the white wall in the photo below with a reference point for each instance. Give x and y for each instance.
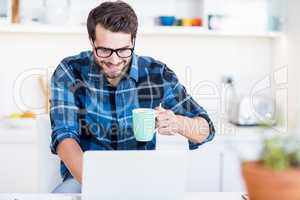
(293, 48)
(287, 54)
(198, 61)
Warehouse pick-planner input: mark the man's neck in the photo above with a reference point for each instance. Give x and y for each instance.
(115, 81)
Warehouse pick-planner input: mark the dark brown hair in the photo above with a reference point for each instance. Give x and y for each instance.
(115, 16)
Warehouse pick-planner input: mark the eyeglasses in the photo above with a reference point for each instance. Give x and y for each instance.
(104, 52)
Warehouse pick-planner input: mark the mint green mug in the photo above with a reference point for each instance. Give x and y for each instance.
(143, 124)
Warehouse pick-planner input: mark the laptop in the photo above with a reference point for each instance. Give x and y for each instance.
(134, 175)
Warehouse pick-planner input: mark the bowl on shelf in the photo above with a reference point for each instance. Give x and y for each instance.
(167, 20)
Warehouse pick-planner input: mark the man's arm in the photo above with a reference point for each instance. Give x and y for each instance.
(182, 114)
(71, 154)
(65, 123)
(194, 129)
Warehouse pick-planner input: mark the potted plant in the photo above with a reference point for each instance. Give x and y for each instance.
(276, 175)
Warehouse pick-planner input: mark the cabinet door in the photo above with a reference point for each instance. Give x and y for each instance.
(18, 168)
(204, 169)
(232, 157)
(231, 173)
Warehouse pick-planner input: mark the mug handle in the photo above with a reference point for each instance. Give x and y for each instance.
(156, 129)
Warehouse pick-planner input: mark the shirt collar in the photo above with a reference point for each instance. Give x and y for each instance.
(134, 72)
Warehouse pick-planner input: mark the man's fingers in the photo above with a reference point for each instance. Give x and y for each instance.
(163, 120)
(162, 117)
(165, 131)
(162, 124)
(160, 110)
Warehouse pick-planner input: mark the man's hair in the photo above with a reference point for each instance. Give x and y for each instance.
(115, 16)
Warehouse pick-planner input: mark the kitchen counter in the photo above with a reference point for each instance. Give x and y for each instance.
(15, 135)
(188, 196)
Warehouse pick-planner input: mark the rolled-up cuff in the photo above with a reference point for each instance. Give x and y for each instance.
(210, 136)
(59, 137)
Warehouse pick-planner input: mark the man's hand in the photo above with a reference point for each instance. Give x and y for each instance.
(166, 122)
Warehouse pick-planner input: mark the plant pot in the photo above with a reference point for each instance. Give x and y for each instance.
(266, 184)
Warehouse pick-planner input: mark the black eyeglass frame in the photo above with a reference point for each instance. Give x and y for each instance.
(114, 50)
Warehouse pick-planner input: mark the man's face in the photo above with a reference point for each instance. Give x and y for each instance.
(113, 66)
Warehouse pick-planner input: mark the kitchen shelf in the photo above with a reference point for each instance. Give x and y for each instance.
(199, 31)
(39, 28)
(148, 31)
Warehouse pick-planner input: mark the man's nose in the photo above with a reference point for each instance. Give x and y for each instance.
(114, 58)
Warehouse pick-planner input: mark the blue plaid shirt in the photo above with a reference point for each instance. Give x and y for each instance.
(85, 107)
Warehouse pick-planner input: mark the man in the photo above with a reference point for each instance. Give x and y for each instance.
(94, 93)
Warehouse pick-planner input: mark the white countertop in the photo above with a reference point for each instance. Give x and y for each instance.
(16, 135)
(18, 131)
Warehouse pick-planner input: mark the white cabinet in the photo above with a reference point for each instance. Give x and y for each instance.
(18, 161)
(213, 167)
(231, 173)
(235, 151)
(204, 169)
(18, 168)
